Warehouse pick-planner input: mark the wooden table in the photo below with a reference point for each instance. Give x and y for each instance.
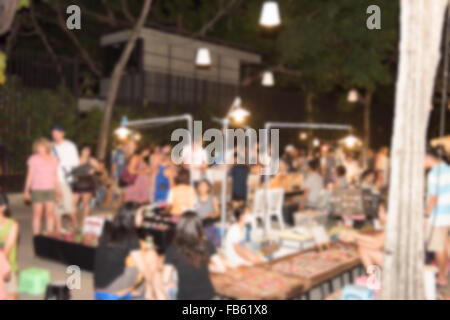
(324, 277)
(261, 284)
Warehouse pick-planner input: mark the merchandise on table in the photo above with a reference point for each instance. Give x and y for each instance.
(253, 283)
(311, 264)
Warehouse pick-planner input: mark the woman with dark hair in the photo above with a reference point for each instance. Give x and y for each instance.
(120, 262)
(190, 255)
(9, 234)
(139, 191)
(207, 207)
(182, 196)
(84, 186)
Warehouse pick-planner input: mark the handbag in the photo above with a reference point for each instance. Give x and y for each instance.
(126, 178)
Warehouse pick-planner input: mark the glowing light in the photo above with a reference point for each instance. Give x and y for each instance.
(303, 136)
(237, 113)
(316, 142)
(123, 132)
(270, 15)
(351, 141)
(268, 79)
(353, 96)
(203, 58)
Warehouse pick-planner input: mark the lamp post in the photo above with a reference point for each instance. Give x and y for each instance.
(238, 114)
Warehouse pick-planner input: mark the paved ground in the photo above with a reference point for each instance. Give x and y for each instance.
(27, 259)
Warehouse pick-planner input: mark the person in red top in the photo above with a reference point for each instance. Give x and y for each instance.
(42, 186)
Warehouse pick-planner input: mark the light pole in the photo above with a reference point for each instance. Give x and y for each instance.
(238, 114)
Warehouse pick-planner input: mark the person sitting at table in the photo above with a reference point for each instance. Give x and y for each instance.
(182, 196)
(236, 251)
(191, 257)
(120, 262)
(207, 207)
(370, 246)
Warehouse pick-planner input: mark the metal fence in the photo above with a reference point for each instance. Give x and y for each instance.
(163, 89)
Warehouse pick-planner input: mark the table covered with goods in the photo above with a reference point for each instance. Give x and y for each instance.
(79, 248)
(289, 277)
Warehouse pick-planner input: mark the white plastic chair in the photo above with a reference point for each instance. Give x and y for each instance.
(258, 208)
(274, 202)
(275, 207)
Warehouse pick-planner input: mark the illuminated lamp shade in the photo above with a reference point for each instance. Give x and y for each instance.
(351, 141)
(203, 58)
(237, 113)
(270, 15)
(316, 142)
(123, 132)
(352, 96)
(268, 79)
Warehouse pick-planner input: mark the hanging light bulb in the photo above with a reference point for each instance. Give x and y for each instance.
(122, 132)
(303, 136)
(316, 142)
(270, 15)
(353, 96)
(203, 58)
(268, 79)
(351, 141)
(237, 113)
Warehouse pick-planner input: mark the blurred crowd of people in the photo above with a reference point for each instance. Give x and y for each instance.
(61, 181)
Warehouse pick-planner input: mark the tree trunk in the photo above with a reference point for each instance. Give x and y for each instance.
(367, 103)
(115, 80)
(421, 25)
(309, 119)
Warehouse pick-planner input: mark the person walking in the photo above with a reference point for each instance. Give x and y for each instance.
(67, 154)
(42, 185)
(138, 166)
(85, 183)
(438, 211)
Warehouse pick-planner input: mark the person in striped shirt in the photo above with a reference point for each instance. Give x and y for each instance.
(438, 210)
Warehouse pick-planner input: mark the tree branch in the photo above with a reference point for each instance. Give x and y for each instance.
(220, 13)
(84, 53)
(126, 11)
(40, 32)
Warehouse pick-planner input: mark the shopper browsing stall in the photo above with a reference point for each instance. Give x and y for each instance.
(191, 256)
(182, 196)
(207, 207)
(313, 187)
(138, 190)
(67, 154)
(438, 210)
(42, 185)
(120, 261)
(84, 186)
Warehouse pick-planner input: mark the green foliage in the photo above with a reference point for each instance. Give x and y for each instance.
(2, 68)
(30, 115)
(23, 4)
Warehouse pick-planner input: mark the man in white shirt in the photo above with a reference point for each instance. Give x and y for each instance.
(197, 159)
(67, 154)
(313, 187)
